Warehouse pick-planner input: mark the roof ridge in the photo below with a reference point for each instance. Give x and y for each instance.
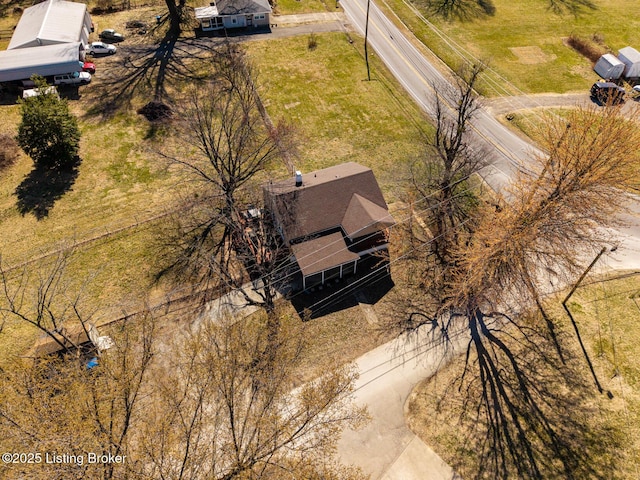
(44, 21)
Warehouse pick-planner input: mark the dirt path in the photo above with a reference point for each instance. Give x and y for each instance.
(503, 105)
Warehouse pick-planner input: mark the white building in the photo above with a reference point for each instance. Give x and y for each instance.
(233, 14)
(52, 22)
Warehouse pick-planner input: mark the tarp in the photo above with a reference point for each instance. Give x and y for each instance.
(609, 67)
(22, 63)
(631, 59)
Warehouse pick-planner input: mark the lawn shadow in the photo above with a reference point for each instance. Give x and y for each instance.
(462, 10)
(42, 187)
(536, 408)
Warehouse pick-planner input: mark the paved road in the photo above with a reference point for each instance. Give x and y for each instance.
(420, 78)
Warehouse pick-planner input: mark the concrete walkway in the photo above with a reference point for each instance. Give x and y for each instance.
(306, 18)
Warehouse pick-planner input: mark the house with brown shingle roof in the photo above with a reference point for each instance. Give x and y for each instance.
(330, 219)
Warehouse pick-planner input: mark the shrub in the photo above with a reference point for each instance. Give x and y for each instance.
(586, 47)
(48, 133)
(312, 41)
(8, 151)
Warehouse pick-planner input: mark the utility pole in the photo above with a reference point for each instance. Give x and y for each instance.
(366, 34)
(575, 325)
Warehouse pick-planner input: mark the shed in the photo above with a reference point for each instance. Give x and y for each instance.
(52, 22)
(609, 67)
(631, 59)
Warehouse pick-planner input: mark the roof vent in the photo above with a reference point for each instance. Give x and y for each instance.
(298, 178)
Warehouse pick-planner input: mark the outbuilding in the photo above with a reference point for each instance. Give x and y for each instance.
(50, 23)
(631, 59)
(22, 63)
(609, 67)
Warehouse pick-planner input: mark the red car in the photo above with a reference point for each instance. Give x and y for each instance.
(89, 67)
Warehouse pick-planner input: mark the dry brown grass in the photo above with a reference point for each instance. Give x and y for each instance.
(608, 314)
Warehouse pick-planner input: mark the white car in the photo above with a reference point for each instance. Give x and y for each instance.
(101, 48)
(35, 92)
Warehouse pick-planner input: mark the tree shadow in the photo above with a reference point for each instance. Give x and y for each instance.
(463, 10)
(530, 412)
(150, 70)
(42, 187)
(574, 7)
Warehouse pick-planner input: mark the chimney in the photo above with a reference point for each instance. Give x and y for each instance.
(298, 178)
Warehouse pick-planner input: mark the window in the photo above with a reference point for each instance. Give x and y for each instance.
(258, 17)
(233, 20)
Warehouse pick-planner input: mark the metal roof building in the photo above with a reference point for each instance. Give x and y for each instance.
(52, 22)
(22, 63)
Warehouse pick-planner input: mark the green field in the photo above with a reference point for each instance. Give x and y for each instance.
(524, 42)
(339, 115)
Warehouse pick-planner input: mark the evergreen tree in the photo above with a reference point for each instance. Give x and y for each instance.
(48, 133)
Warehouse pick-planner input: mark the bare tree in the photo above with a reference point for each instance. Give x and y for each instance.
(223, 414)
(44, 299)
(177, 13)
(441, 183)
(233, 147)
(62, 411)
(556, 218)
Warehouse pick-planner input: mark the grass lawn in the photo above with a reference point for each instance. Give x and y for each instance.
(608, 315)
(523, 41)
(121, 183)
(340, 116)
(289, 7)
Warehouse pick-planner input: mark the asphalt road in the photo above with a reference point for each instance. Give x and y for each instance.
(505, 150)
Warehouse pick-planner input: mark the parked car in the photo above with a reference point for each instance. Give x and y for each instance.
(100, 48)
(73, 78)
(89, 67)
(607, 93)
(35, 92)
(110, 35)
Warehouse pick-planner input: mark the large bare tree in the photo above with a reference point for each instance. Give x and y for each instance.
(441, 188)
(231, 149)
(225, 413)
(69, 415)
(555, 220)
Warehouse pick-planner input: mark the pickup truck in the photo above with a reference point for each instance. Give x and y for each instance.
(73, 78)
